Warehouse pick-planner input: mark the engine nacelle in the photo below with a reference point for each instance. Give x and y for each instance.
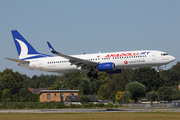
(106, 67)
(116, 71)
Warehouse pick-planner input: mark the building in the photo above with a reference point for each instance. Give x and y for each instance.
(36, 91)
(56, 95)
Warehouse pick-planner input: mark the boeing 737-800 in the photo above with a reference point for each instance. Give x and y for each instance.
(112, 62)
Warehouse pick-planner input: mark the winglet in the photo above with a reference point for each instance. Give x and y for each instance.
(51, 48)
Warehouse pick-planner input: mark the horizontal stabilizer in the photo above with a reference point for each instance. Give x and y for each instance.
(17, 60)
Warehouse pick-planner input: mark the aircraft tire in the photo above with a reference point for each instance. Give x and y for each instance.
(95, 75)
(89, 74)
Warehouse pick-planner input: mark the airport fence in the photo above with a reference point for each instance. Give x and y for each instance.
(172, 104)
(33, 105)
(49, 105)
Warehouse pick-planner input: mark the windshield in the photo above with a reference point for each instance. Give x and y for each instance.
(164, 54)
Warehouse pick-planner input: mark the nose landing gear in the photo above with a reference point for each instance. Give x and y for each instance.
(158, 69)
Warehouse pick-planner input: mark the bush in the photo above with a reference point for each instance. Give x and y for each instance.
(3, 106)
(61, 105)
(91, 105)
(77, 106)
(116, 106)
(18, 105)
(45, 106)
(99, 105)
(110, 104)
(72, 105)
(85, 106)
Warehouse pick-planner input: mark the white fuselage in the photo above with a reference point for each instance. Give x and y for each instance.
(126, 59)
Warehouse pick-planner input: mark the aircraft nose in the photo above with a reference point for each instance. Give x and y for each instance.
(173, 58)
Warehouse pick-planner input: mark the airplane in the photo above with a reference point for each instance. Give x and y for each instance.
(111, 62)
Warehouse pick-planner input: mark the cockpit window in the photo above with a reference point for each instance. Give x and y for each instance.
(164, 54)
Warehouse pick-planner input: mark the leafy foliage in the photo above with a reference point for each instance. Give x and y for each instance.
(110, 104)
(126, 96)
(84, 99)
(136, 89)
(164, 93)
(14, 86)
(148, 77)
(118, 96)
(85, 86)
(151, 96)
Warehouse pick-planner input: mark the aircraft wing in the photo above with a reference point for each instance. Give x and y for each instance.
(17, 60)
(73, 60)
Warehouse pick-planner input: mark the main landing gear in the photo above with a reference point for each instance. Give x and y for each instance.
(89, 74)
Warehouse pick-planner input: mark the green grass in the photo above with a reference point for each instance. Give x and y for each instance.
(92, 116)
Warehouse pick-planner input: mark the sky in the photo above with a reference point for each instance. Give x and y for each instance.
(81, 26)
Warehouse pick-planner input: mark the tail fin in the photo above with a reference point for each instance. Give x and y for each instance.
(24, 49)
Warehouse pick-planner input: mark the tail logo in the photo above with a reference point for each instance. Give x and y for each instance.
(24, 50)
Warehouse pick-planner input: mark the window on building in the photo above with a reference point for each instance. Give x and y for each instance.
(48, 96)
(61, 97)
(71, 94)
(55, 94)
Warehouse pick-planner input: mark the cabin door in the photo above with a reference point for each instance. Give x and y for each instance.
(153, 56)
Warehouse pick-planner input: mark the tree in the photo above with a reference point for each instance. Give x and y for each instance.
(84, 99)
(102, 92)
(34, 97)
(126, 96)
(116, 83)
(165, 93)
(118, 96)
(56, 85)
(85, 86)
(151, 96)
(72, 80)
(24, 95)
(136, 89)
(171, 76)
(11, 80)
(148, 77)
(103, 77)
(6, 95)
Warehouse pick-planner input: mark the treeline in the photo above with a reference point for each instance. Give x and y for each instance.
(13, 88)
(164, 84)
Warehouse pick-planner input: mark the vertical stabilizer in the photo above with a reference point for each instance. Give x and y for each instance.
(24, 49)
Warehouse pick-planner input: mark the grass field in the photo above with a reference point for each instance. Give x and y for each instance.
(92, 116)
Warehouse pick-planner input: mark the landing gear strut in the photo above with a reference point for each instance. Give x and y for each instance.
(158, 69)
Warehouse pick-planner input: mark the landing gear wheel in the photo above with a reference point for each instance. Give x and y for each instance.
(95, 75)
(89, 74)
(158, 69)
